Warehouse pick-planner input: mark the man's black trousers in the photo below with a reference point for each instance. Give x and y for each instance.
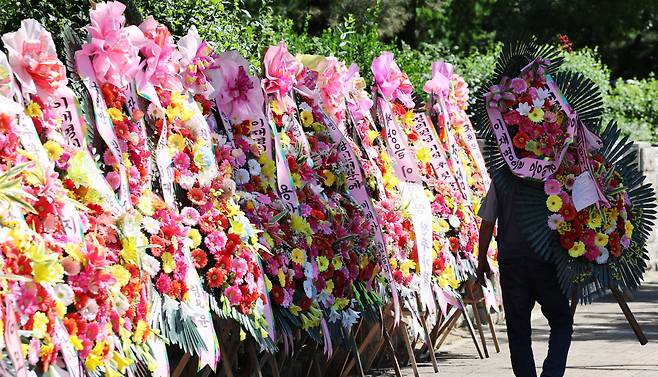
(524, 281)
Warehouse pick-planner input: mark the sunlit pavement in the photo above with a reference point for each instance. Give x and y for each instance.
(603, 343)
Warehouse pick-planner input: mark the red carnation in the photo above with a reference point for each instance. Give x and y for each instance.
(199, 258)
(520, 140)
(216, 277)
(567, 240)
(277, 294)
(568, 212)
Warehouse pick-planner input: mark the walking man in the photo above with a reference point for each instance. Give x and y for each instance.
(525, 279)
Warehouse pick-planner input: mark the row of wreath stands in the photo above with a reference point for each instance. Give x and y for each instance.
(407, 326)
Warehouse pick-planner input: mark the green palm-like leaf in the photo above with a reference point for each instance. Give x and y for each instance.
(11, 189)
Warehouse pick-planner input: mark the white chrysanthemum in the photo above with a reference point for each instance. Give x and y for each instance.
(155, 111)
(454, 221)
(151, 225)
(254, 167)
(555, 220)
(186, 182)
(64, 294)
(150, 265)
(241, 176)
(90, 310)
(603, 257)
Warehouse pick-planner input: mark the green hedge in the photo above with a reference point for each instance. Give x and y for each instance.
(633, 103)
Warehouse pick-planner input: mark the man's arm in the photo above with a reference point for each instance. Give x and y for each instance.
(488, 213)
(486, 232)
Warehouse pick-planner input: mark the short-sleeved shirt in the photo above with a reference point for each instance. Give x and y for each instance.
(500, 206)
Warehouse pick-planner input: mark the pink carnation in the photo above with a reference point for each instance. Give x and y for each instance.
(234, 295)
(216, 241)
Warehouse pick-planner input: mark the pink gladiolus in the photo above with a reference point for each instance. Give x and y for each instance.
(197, 63)
(332, 84)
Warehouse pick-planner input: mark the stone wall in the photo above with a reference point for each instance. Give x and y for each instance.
(648, 162)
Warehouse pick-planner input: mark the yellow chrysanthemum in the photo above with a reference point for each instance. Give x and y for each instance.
(323, 263)
(115, 114)
(442, 226)
(129, 250)
(48, 271)
(329, 178)
(168, 264)
(372, 135)
(76, 342)
(282, 277)
(536, 115)
(329, 286)
(39, 325)
(53, 149)
(276, 109)
(176, 142)
(577, 249)
(120, 361)
(390, 181)
(300, 225)
(121, 274)
(141, 330)
(33, 110)
(554, 203)
(337, 262)
(238, 228)
(194, 236)
(628, 228)
(601, 239)
(298, 256)
(595, 220)
(409, 118)
(424, 155)
(307, 117)
(406, 266)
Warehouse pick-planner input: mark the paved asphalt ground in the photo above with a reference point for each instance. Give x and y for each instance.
(603, 343)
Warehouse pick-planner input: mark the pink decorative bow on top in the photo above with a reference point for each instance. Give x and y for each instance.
(161, 57)
(282, 71)
(33, 59)
(391, 82)
(239, 95)
(113, 49)
(439, 84)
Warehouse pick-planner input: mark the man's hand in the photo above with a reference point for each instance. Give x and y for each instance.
(482, 270)
(486, 232)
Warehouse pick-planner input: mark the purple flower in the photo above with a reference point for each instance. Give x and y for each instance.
(518, 85)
